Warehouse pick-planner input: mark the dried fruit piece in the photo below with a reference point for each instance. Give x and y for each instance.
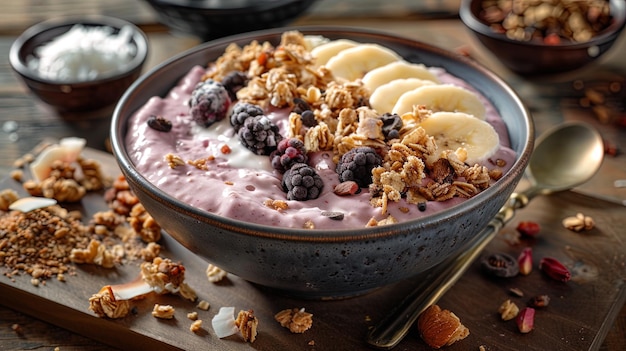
(439, 327)
(528, 228)
(554, 269)
(526, 320)
(500, 265)
(539, 301)
(159, 123)
(508, 310)
(525, 261)
(349, 187)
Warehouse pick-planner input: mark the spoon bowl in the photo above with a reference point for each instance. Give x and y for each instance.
(564, 157)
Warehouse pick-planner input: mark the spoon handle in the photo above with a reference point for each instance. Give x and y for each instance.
(392, 329)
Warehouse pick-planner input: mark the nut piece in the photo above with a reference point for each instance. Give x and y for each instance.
(214, 273)
(163, 311)
(296, 320)
(440, 328)
(579, 223)
(247, 323)
(508, 310)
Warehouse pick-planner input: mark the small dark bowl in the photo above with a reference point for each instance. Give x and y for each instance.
(78, 96)
(535, 57)
(210, 19)
(315, 263)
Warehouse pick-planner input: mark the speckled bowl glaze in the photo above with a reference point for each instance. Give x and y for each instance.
(316, 263)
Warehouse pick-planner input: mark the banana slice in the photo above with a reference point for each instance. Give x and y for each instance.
(395, 70)
(384, 98)
(441, 97)
(453, 130)
(326, 51)
(355, 62)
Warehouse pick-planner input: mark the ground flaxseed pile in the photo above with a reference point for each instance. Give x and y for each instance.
(46, 242)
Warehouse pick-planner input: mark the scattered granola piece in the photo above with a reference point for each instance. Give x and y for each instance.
(203, 305)
(163, 311)
(165, 276)
(278, 205)
(579, 223)
(7, 197)
(295, 319)
(196, 326)
(17, 329)
(174, 161)
(215, 274)
(508, 310)
(192, 315)
(104, 304)
(247, 323)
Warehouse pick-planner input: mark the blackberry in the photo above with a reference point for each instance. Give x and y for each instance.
(288, 152)
(233, 82)
(241, 111)
(209, 102)
(357, 165)
(260, 135)
(301, 182)
(392, 123)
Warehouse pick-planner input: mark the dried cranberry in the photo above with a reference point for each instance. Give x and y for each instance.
(528, 228)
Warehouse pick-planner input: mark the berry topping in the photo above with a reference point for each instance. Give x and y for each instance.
(241, 111)
(300, 105)
(260, 135)
(209, 102)
(288, 152)
(159, 123)
(234, 81)
(392, 123)
(301, 182)
(308, 118)
(357, 165)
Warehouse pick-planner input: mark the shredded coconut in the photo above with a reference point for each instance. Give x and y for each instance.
(84, 53)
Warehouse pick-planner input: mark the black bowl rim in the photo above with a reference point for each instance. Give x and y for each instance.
(618, 9)
(118, 133)
(249, 7)
(139, 37)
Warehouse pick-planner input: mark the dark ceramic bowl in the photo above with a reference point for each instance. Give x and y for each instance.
(76, 96)
(535, 57)
(317, 263)
(210, 19)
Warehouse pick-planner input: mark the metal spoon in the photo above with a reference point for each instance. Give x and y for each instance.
(564, 157)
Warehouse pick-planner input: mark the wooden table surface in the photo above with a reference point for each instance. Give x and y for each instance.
(550, 99)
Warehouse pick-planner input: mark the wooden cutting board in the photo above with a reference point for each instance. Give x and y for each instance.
(578, 317)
